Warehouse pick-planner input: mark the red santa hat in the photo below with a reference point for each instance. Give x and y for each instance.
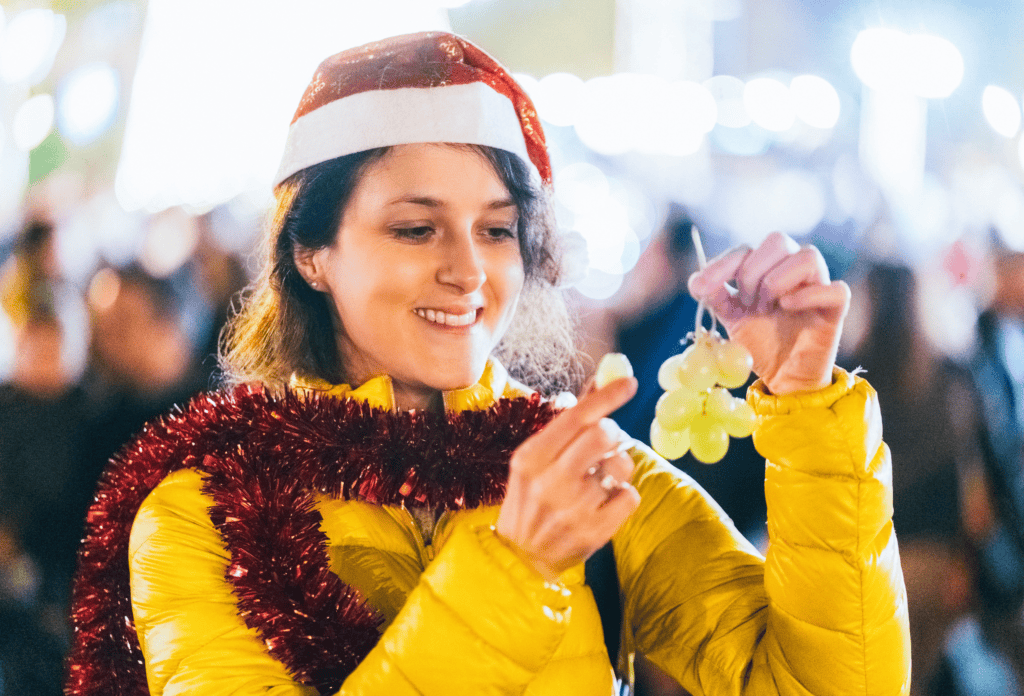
(416, 88)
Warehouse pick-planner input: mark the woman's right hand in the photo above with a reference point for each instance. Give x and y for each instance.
(556, 512)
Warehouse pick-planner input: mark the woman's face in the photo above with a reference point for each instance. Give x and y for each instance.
(425, 270)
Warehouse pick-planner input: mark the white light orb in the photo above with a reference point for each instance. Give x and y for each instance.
(530, 85)
(1001, 111)
(558, 98)
(33, 122)
(599, 285)
(169, 241)
(769, 104)
(675, 118)
(815, 101)
(879, 58)
(29, 45)
(937, 66)
(887, 59)
(580, 187)
(608, 234)
(87, 103)
(698, 111)
(727, 91)
(607, 109)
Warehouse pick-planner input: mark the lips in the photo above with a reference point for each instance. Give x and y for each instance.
(441, 317)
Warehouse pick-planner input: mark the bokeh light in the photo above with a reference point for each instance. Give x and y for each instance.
(887, 59)
(87, 103)
(209, 117)
(606, 107)
(557, 98)
(791, 201)
(1001, 110)
(33, 122)
(599, 285)
(29, 45)
(769, 104)
(815, 101)
(727, 92)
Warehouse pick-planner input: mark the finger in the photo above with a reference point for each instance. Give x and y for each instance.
(806, 267)
(616, 509)
(603, 480)
(773, 250)
(725, 305)
(834, 296)
(717, 273)
(590, 386)
(619, 466)
(563, 429)
(588, 449)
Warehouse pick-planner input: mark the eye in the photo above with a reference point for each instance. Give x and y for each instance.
(499, 233)
(413, 233)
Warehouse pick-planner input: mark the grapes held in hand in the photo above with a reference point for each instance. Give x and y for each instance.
(697, 413)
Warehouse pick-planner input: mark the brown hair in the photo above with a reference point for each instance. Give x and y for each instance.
(279, 329)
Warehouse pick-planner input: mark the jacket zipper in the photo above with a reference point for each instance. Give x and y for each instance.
(426, 550)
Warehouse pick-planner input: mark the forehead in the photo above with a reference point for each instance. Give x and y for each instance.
(441, 170)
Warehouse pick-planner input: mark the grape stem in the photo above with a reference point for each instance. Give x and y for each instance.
(702, 262)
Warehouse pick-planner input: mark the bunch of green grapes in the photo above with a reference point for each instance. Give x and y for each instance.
(697, 412)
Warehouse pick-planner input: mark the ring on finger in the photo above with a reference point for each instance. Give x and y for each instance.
(609, 483)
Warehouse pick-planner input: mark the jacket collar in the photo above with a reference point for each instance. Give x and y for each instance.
(379, 391)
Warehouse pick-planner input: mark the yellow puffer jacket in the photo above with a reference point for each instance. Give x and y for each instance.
(824, 614)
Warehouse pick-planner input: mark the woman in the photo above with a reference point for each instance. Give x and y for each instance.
(424, 531)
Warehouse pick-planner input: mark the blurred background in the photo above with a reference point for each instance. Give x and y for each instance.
(138, 139)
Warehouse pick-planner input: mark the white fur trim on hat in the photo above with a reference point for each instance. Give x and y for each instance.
(471, 113)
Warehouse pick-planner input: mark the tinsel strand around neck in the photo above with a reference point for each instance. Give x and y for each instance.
(245, 442)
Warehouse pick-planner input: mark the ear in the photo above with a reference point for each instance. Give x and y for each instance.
(311, 266)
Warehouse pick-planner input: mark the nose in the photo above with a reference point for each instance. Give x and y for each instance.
(461, 265)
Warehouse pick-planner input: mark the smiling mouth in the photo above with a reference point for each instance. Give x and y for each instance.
(436, 316)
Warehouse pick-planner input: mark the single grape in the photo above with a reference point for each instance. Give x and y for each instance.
(719, 405)
(670, 444)
(698, 369)
(708, 440)
(612, 366)
(675, 409)
(668, 373)
(734, 364)
(741, 419)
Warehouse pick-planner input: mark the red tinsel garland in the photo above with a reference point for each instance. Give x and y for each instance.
(263, 458)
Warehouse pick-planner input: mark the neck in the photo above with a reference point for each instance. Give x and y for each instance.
(408, 398)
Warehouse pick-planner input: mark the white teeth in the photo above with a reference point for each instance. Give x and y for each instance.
(438, 317)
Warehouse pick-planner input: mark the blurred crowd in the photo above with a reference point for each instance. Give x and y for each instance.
(89, 367)
(85, 366)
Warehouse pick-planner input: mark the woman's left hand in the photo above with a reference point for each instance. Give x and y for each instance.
(787, 312)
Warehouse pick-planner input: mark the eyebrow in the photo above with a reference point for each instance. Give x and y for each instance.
(498, 204)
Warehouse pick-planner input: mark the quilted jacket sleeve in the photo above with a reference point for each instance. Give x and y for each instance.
(195, 643)
(825, 613)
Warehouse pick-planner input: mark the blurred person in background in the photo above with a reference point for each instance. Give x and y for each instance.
(379, 507)
(984, 653)
(143, 361)
(43, 486)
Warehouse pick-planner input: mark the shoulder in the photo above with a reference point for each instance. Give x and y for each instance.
(175, 511)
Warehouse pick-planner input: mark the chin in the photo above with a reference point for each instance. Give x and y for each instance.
(452, 377)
